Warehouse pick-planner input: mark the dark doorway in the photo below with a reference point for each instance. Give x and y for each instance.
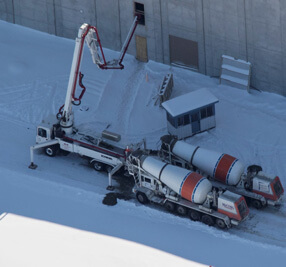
(184, 52)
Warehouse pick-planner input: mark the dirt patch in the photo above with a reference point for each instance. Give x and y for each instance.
(111, 198)
(122, 191)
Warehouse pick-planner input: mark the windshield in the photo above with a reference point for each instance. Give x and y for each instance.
(242, 208)
(278, 188)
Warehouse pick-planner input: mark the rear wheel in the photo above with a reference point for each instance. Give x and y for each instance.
(142, 198)
(220, 223)
(194, 215)
(256, 204)
(98, 166)
(181, 210)
(169, 206)
(208, 220)
(51, 151)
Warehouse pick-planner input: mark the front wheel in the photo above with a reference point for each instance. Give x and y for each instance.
(98, 166)
(220, 223)
(256, 204)
(51, 151)
(169, 206)
(142, 198)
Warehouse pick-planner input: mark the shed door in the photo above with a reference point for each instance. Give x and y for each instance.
(195, 120)
(184, 52)
(141, 48)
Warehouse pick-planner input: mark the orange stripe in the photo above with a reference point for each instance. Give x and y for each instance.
(190, 184)
(223, 167)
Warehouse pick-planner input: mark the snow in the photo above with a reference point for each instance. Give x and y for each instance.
(188, 102)
(76, 248)
(57, 211)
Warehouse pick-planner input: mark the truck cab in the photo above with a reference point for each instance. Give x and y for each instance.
(268, 186)
(45, 130)
(233, 205)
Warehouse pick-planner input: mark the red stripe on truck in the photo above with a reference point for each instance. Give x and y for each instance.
(223, 167)
(189, 185)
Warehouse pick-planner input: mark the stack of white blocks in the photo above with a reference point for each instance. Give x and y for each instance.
(235, 72)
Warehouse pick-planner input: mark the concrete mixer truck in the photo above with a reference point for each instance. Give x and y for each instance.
(224, 171)
(184, 192)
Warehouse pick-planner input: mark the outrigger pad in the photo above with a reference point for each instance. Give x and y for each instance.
(33, 166)
(110, 188)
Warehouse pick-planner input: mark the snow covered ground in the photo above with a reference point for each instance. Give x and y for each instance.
(34, 71)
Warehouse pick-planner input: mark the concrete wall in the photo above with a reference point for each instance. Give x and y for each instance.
(252, 30)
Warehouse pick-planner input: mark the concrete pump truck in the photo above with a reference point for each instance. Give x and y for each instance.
(58, 133)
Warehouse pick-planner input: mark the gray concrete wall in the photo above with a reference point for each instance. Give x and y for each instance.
(183, 19)
(7, 10)
(252, 30)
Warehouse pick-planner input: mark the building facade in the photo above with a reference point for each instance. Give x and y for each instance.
(189, 33)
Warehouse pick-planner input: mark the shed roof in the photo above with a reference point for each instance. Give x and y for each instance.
(188, 102)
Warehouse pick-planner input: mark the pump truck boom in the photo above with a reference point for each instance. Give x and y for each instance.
(224, 171)
(184, 192)
(54, 134)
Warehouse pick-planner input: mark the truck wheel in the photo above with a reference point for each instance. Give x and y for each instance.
(141, 197)
(169, 206)
(181, 210)
(208, 220)
(256, 204)
(194, 215)
(51, 151)
(220, 223)
(98, 166)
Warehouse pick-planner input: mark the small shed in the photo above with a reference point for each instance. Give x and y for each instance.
(191, 113)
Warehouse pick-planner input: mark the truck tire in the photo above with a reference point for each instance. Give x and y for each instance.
(256, 204)
(142, 198)
(51, 151)
(181, 210)
(220, 223)
(98, 166)
(208, 220)
(194, 215)
(169, 206)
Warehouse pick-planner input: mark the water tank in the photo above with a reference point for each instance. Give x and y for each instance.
(190, 185)
(222, 167)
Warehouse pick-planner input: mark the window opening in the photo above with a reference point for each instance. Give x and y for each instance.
(195, 117)
(42, 132)
(147, 180)
(139, 12)
(180, 121)
(171, 119)
(203, 113)
(186, 119)
(210, 111)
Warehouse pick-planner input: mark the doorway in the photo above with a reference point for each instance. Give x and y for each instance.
(141, 48)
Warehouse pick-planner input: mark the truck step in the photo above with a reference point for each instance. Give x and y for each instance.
(157, 200)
